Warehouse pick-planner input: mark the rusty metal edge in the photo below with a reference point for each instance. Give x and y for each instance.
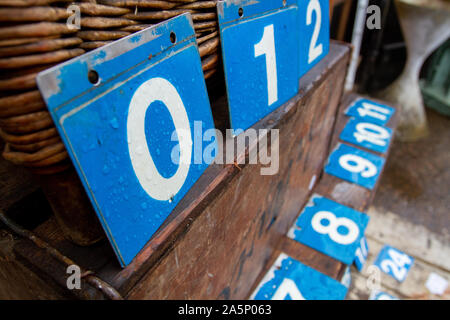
(106, 289)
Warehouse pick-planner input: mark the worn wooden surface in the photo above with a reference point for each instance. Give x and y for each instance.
(226, 229)
(413, 287)
(416, 183)
(16, 280)
(390, 227)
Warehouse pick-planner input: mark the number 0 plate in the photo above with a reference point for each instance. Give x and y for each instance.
(122, 133)
(260, 55)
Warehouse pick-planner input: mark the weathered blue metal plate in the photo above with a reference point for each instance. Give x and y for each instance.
(260, 56)
(371, 111)
(361, 254)
(367, 135)
(394, 263)
(355, 165)
(314, 33)
(331, 228)
(122, 132)
(289, 279)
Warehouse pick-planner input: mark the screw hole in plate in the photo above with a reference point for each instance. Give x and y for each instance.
(241, 12)
(93, 77)
(173, 37)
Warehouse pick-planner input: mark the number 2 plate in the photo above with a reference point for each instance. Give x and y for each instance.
(120, 131)
(330, 228)
(314, 32)
(260, 55)
(289, 279)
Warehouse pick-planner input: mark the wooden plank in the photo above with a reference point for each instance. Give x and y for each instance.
(431, 247)
(360, 288)
(413, 287)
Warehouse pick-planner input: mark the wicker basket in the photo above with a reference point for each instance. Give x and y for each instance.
(34, 36)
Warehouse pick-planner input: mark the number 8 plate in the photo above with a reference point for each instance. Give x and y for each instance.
(330, 228)
(260, 54)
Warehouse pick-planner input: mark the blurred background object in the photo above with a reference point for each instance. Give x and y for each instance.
(392, 57)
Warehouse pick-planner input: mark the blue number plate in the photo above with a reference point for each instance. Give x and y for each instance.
(314, 32)
(288, 279)
(361, 254)
(130, 134)
(371, 111)
(260, 43)
(394, 263)
(347, 277)
(367, 135)
(330, 228)
(355, 165)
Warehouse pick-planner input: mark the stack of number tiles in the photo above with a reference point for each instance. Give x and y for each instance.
(331, 225)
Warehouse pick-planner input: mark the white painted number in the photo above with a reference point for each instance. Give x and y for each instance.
(373, 111)
(371, 133)
(156, 186)
(332, 228)
(396, 264)
(288, 287)
(314, 50)
(266, 46)
(356, 164)
(362, 250)
(384, 296)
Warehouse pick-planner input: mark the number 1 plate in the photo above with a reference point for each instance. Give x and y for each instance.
(260, 44)
(122, 132)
